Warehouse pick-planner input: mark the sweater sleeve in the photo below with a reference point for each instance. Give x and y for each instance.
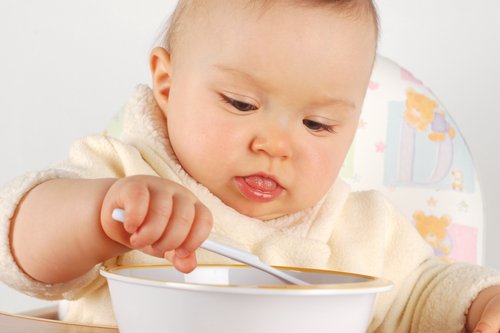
(430, 295)
(92, 157)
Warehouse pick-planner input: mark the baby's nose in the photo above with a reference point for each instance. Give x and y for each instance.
(275, 142)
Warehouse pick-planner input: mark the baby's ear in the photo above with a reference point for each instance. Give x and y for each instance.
(161, 70)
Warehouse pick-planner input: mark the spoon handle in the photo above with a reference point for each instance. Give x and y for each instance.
(249, 259)
(232, 253)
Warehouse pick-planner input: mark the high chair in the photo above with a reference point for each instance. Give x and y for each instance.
(408, 147)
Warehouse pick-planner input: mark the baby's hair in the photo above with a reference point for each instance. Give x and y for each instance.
(356, 9)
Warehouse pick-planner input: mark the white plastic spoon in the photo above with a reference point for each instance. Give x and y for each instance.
(232, 253)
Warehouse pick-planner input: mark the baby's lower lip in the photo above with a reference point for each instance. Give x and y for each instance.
(261, 194)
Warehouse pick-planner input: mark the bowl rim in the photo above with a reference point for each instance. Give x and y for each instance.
(370, 285)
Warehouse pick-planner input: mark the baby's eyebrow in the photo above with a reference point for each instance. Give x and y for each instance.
(339, 103)
(241, 73)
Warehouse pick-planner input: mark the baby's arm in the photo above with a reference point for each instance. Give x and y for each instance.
(63, 227)
(56, 234)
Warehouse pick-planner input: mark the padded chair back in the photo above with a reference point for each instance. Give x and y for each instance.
(408, 147)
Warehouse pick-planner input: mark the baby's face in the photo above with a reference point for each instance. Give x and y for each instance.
(262, 109)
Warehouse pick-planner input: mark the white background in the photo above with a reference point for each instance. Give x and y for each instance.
(67, 66)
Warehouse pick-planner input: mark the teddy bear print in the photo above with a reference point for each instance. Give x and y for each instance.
(421, 114)
(458, 180)
(433, 230)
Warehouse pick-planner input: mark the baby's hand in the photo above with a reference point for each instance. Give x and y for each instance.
(162, 218)
(484, 314)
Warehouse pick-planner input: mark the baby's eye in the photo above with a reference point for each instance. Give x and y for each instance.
(239, 105)
(317, 127)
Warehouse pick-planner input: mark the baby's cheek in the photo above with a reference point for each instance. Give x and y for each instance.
(322, 170)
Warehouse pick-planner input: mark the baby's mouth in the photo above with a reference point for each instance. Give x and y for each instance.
(261, 183)
(258, 187)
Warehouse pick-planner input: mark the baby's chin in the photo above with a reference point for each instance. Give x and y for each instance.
(263, 212)
(268, 217)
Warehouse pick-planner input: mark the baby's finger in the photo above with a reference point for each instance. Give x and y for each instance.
(185, 264)
(200, 230)
(133, 197)
(179, 224)
(155, 223)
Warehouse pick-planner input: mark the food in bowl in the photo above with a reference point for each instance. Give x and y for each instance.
(237, 298)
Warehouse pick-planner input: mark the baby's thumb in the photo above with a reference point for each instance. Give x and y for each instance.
(490, 318)
(484, 327)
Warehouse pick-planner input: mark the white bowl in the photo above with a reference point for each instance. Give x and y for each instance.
(239, 299)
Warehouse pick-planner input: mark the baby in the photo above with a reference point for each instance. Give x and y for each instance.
(253, 107)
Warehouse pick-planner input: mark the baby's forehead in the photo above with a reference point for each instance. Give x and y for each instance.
(191, 14)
